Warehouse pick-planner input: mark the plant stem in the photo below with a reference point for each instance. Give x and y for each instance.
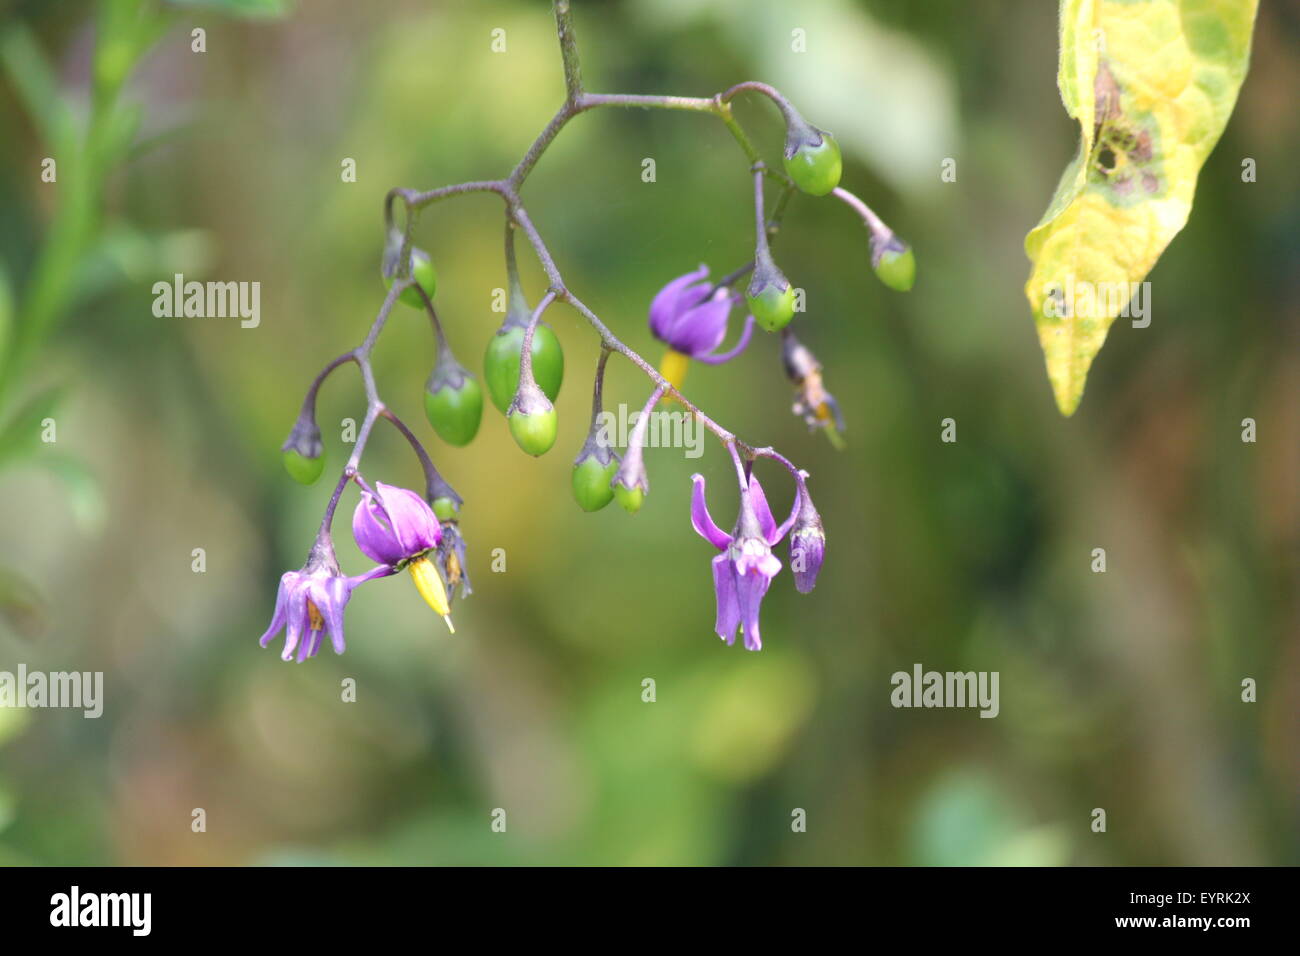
(598, 387)
(526, 355)
(309, 402)
(869, 218)
(568, 48)
(577, 100)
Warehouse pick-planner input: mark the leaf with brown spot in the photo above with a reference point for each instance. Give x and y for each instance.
(1152, 84)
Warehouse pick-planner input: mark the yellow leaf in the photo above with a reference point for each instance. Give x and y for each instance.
(1152, 84)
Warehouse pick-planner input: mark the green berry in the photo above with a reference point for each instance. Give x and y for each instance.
(455, 413)
(896, 266)
(301, 468)
(423, 272)
(591, 483)
(772, 306)
(445, 508)
(501, 363)
(631, 499)
(534, 432)
(816, 168)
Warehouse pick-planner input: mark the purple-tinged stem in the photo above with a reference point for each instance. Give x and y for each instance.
(598, 387)
(526, 356)
(309, 402)
(431, 476)
(872, 221)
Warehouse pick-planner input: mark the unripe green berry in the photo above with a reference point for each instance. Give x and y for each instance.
(534, 432)
(455, 413)
(445, 508)
(301, 468)
(895, 265)
(501, 363)
(772, 307)
(630, 499)
(423, 273)
(815, 168)
(591, 480)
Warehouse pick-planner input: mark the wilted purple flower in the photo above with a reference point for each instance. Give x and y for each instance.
(746, 566)
(813, 403)
(396, 527)
(451, 560)
(393, 525)
(311, 600)
(690, 316)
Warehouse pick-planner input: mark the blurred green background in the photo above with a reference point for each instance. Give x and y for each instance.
(1118, 690)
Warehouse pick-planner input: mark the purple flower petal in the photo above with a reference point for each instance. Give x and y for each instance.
(394, 524)
(373, 534)
(717, 358)
(382, 571)
(281, 606)
(669, 302)
(334, 598)
(702, 328)
(297, 621)
(724, 585)
(755, 567)
(413, 521)
(308, 646)
(702, 521)
(750, 589)
(758, 501)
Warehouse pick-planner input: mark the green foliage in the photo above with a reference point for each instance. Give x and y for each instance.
(253, 9)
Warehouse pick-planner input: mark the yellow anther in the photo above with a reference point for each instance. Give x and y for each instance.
(673, 367)
(313, 615)
(427, 582)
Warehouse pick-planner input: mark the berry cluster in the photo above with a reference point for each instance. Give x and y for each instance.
(524, 367)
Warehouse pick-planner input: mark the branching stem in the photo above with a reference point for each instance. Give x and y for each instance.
(577, 101)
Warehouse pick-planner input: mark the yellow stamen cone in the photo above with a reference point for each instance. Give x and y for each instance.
(427, 582)
(673, 367)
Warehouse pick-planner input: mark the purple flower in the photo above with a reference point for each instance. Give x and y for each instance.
(396, 527)
(311, 600)
(393, 525)
(690, 316)
(746, 566)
